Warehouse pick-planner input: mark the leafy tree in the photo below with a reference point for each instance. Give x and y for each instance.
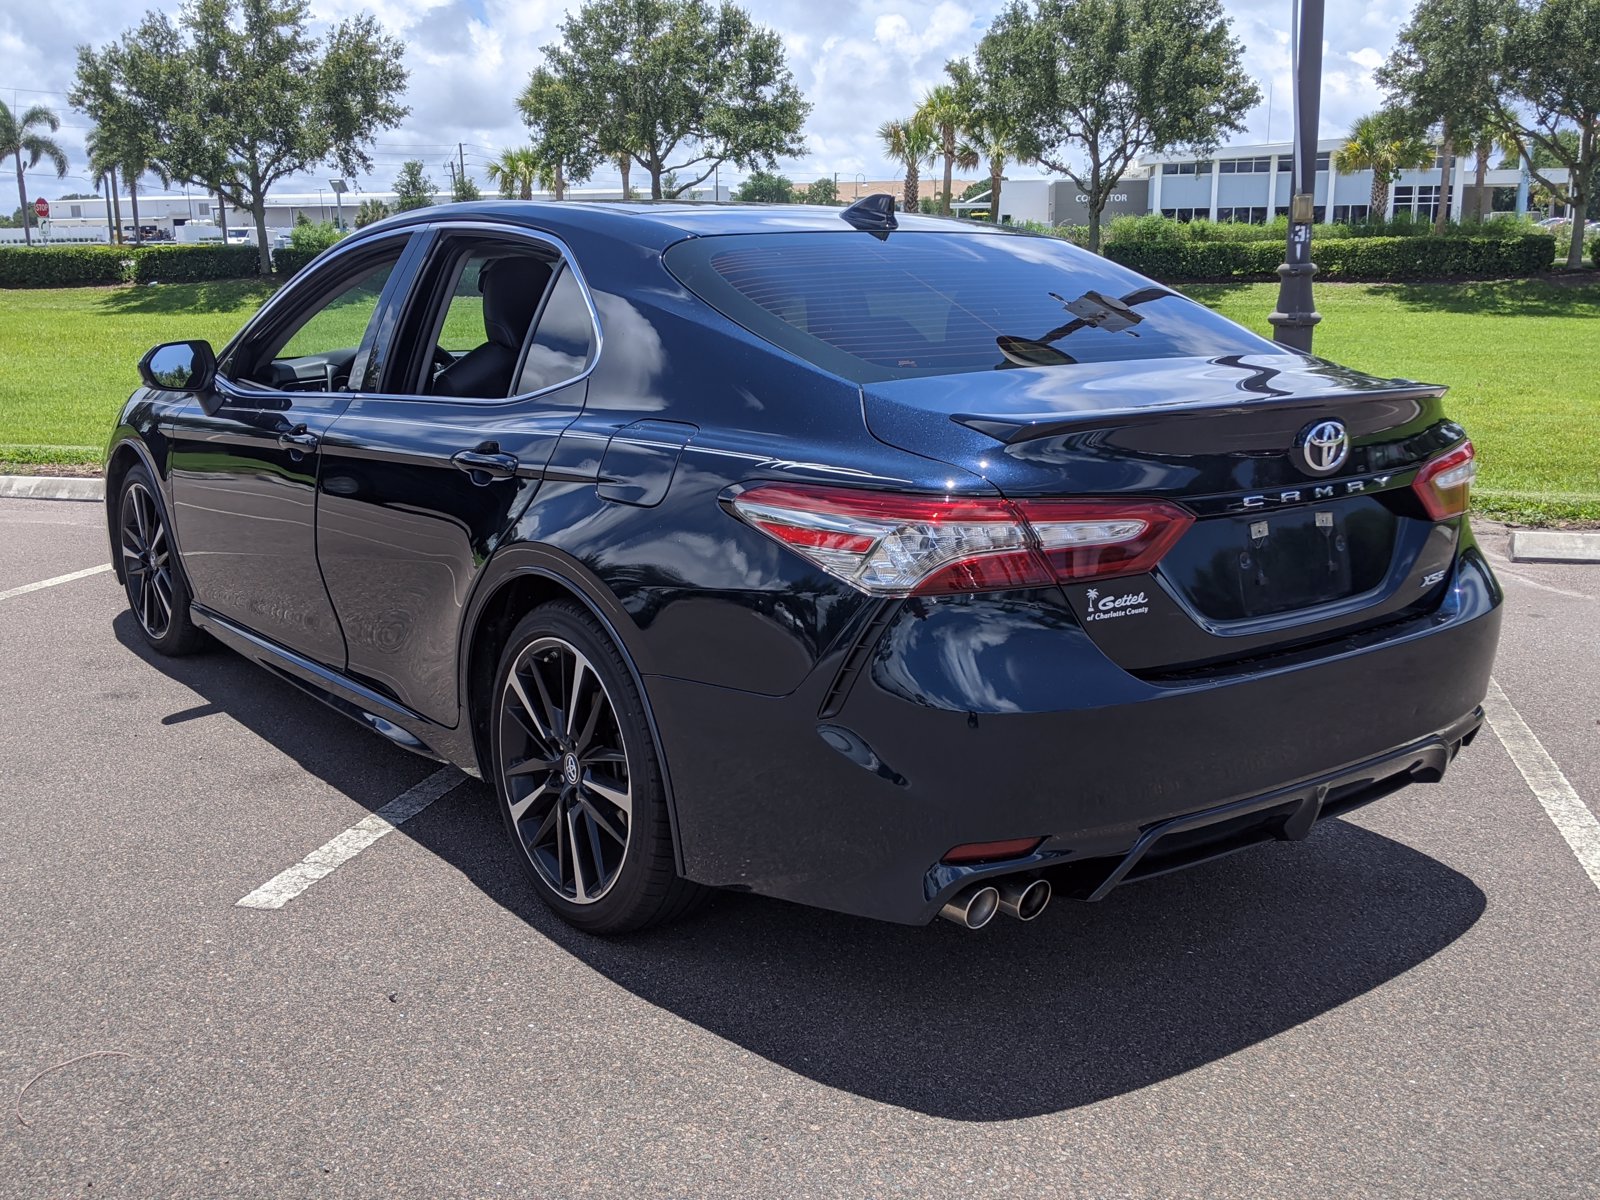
(1096, 83)
(821, 191)
(238, 95)
(681, 86)
(517, 172)
(314, 237)
(20, 138)
(125, 141)
(911, 142)
(990, 129)
(555, 117)
(463, 187)
(948, 110)
(412, 187)
(1443, 72)
(1386, 144)
(369, 210)
(763, 187)
(1550, 85)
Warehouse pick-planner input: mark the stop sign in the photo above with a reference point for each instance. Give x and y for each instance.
(42, 206)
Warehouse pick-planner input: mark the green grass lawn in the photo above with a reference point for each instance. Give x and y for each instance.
(1522, 359)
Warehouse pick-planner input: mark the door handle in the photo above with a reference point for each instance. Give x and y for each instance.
(297, 439)
(492, 466)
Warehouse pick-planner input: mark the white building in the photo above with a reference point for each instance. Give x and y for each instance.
(1251, 184)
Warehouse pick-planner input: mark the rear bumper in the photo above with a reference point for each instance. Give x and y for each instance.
(979, 719)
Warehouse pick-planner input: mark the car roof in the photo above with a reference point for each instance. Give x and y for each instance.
(659, 223)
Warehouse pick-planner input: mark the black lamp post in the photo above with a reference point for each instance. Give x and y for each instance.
(1296, 315)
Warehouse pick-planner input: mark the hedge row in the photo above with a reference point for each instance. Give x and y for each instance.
(79, 266)
(1377, 258)
(286, 260)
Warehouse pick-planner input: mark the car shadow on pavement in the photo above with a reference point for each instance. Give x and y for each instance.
(1016, 1020)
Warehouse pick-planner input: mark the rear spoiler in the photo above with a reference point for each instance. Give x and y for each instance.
(1014, 428)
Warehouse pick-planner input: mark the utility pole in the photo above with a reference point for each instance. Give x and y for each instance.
(461, 163)
(1296, 315)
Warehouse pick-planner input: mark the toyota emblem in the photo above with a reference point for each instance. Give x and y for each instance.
(1323, 447)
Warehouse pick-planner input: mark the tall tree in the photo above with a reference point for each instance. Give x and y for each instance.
(412, 187)
(911, 142)
(1444, 71)
(948, 110)
(102, 165)
(990, 130)
(764, 187)
(370, 210)
(463, 187)
(555, 117)
(21, 138)
(1096, 83)
(681, 86)
(240, 95)
(1550, 86)
(1386, 144)
(820, 191)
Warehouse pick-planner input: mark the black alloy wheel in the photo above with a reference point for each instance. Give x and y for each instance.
(578, 779)
(157, 592)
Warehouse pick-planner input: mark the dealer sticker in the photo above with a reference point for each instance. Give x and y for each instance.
(1114, 605)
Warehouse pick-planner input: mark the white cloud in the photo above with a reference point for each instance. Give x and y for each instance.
(860, 62)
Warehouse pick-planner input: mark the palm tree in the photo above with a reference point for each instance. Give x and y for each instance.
(517, 171)
(945, 110)
(1381, 143)
(22, 137)
(103, 166)
(910, 141)
(992, 136)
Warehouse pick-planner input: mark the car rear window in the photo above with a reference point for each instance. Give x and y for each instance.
(924, 303)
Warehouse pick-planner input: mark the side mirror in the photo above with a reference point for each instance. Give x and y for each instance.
(179, 367)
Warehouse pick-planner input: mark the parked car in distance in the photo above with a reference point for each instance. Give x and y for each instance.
(897, 566)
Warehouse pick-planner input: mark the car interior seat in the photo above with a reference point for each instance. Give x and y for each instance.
(512, 289)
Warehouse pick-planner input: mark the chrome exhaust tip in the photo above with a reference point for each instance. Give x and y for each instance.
(973, 908)
(1024, 899)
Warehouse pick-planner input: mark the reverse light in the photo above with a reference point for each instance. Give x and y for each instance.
(891, 544)
(1444, 484)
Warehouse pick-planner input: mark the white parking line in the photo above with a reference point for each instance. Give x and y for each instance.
(1560, 799)
(1505, 573)
(324, 860)
(44, 583)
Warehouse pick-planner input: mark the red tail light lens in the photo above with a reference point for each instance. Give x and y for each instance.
(1444, 485)
(896, 545)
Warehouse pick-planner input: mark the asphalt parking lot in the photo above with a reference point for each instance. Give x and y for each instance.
(1402, 1005)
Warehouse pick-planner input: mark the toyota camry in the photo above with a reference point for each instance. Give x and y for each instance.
(897, 566)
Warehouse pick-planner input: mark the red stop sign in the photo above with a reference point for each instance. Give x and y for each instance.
(42, 206)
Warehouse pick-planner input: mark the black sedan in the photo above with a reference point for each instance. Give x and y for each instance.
(900, 567)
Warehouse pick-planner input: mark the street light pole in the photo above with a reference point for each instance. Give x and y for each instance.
(1296, 315)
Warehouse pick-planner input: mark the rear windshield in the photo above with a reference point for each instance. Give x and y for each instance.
(921, 303)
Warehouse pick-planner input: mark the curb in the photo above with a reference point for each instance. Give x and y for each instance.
(51, 487)
(1554, 545)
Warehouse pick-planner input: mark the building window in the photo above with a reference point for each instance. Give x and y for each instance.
(1227, 165)
(1184, 214)
(1169, 168)
(76, 209)
(1246, 166)
(205, 209)
(1323, 160)
(1350, 214)
(1187, 168)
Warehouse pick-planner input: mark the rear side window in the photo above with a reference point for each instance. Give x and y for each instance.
(918, 303)
(563, 340)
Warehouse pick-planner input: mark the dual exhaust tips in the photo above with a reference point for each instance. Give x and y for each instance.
(974, 908)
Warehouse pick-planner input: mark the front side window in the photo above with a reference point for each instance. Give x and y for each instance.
(319, 346)
(941, 303)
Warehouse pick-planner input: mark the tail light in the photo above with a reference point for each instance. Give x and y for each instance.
(1443, 484)
(890, 544)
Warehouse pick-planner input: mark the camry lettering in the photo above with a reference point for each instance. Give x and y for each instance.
(1326, 491)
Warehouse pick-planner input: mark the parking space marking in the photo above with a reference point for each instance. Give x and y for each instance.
(1506, 573)
(44, 583)
(326, 859)
(1544, 778)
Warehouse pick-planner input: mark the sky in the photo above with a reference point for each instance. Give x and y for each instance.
(859, 62)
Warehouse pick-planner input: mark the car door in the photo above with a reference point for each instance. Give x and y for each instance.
(244, 462)
(419, 484)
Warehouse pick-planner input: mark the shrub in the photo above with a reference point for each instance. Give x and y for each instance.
(1357, 258)
(61, 266)
(85, 266)
(286, 260)
(314, 238)
(190, 264)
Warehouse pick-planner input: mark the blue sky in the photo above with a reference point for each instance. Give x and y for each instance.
(859, 64)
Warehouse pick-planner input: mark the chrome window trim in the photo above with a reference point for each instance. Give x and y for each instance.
(548, 240)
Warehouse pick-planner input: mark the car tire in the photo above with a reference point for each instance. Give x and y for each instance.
(152, 574)
(580, 785)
